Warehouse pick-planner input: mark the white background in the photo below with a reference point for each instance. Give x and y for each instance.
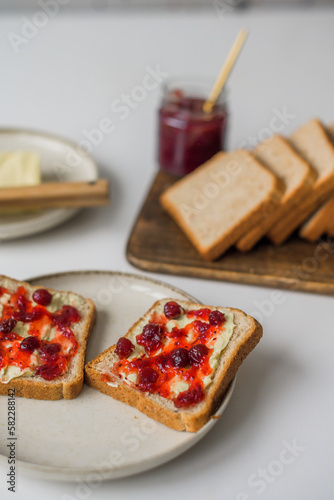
(64, 81)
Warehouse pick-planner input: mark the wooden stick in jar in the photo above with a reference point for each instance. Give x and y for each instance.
(225, 71)
(57, 195)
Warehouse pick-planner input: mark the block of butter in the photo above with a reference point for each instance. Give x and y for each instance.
(19, 169)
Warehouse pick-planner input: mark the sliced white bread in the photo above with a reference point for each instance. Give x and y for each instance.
(244, 336)
(313, 144)
(68, 385)
(322, 221)
(295, 173)
(220, 201)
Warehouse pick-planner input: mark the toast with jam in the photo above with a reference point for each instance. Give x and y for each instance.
(43, 337)
(176, 362)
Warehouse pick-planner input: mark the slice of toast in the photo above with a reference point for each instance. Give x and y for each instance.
(43, 343)
(312, 142)
(298, 178)
(221, 200)
(181, 396)
(322, 221)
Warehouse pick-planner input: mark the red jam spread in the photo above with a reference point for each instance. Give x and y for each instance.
(182, 354)
(188, 136)
(46, 358)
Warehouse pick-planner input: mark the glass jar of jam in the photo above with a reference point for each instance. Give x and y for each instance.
(189, 136)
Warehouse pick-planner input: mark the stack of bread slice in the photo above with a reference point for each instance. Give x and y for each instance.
(322, 221)
(239, 197)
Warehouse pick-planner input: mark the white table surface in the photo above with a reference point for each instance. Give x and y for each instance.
(64, 81)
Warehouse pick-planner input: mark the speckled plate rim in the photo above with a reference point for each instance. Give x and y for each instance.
(142, 277)
(69, 474)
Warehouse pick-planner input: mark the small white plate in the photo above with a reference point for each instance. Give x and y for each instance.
(61, 160)
(95, 437)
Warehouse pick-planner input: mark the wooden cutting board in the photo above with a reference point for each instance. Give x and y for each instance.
(157, 244)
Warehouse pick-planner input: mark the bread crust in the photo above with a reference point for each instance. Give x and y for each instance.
(227, 240)
(323, 188)
(290, 199)
(321, 222)
(181, 420)
(59, 388)
(284, 228)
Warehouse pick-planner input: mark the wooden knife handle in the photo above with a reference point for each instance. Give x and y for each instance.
(57, 195)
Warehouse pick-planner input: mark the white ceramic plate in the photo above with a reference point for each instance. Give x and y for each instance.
(60, 161)
(94, 435)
